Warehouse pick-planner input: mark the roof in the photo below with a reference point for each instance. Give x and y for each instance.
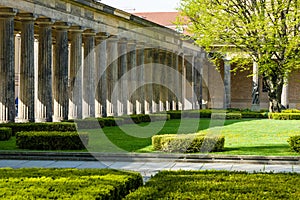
(163, 18)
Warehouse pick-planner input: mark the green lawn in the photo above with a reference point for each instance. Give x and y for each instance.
(242, 137)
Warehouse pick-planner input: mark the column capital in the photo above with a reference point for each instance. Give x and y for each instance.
(26, 16)
(44, 21)
(89, 32)
(61, 25)
(79, 29)
(7, 12)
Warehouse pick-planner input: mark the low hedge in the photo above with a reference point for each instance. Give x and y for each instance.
(188, 143)
(23, 184)
(294, 142)
(219, 185)
(52, 140)
(252, 114)
(49, 126)
(140, 118)
(284, 116)
(291, 111)
(5, 133)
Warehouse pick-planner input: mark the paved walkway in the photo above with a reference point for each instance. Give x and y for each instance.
(149, 168)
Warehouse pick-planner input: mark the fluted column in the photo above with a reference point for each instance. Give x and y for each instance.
(148, 80)
(60, 73)
(162, 91)
(101, 80)
(123, 85)
(285, 94)
(26, 92)
(169, 80)
(197, 83)
(255, 89)
(156, 79)
(227, 83)
(7, 66)
(75, 80)
(88, 92)
(112, 75)
(180, 84)
(131, 59)
(140, 76)
(44, 101)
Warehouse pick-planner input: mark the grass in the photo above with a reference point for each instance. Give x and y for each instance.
(242, 137)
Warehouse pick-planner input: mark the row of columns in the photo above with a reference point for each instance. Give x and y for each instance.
(79, 73)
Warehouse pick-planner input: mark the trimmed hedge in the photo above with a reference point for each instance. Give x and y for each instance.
(23, 184)
(219, 185)
(51, 140)
(49, 126)
(291, 111)
(294, 142)
(252, 114)
(284, 116)
(188, 143)
(5, 133)
(137, 119)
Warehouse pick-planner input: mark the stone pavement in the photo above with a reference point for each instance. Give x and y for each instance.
(150, 167)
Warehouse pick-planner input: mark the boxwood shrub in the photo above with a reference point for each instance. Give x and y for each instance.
(188, 143)
(136, 119)
(219, 185)
(49, 126)
(253, 114)
(5, 133)
(23, 184)
(51, 140)
(284, 116)
(294, 142)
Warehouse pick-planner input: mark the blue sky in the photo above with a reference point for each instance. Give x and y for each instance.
(143, 5)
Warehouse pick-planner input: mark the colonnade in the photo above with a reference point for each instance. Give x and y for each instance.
(71, 72)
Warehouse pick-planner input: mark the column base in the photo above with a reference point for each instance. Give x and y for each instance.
(255, 107)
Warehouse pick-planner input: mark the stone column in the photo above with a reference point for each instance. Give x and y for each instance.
(140, 76)
(101, 80)
(176, 81)
(7, 66)
(180, 84)
(131, 58)
(88, 92)
(148, 79)
(123, 85)
(60, 72)
(75, 80)
(44, 101)
(188, 84)
(285, 94)
(156, 73)
(197, 83)
(162, 75)
(227, 83)
(112, 75)
(255, 89)
(26, 94)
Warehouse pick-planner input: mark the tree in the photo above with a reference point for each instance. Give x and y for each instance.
(267, 30)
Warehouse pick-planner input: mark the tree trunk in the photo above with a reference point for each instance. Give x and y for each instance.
(275, 84)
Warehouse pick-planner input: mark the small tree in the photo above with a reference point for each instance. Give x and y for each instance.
(267, 30)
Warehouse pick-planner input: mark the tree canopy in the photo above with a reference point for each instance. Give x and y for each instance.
(267, 30)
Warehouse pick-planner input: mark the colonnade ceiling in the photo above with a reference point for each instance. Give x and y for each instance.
(89, 14)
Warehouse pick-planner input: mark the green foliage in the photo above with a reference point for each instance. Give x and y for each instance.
(267, 31)
(252, 114)
(294, 142)
(285, 116)
(5, 133)
(49, 126)
(290, 111)
(188, 143)
(52, 140)
(74, 184)
(140, 118)
(219, 185)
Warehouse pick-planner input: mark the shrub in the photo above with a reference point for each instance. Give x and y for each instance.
(90, 123)
(112, 121)
(67, 183)
(136, 119)
(290, 111)
(284, 116)
(294, 142)
(52, 140)
(188, 143)
(49, 126)
(219, 185)
(253, 114)
(5, 133)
